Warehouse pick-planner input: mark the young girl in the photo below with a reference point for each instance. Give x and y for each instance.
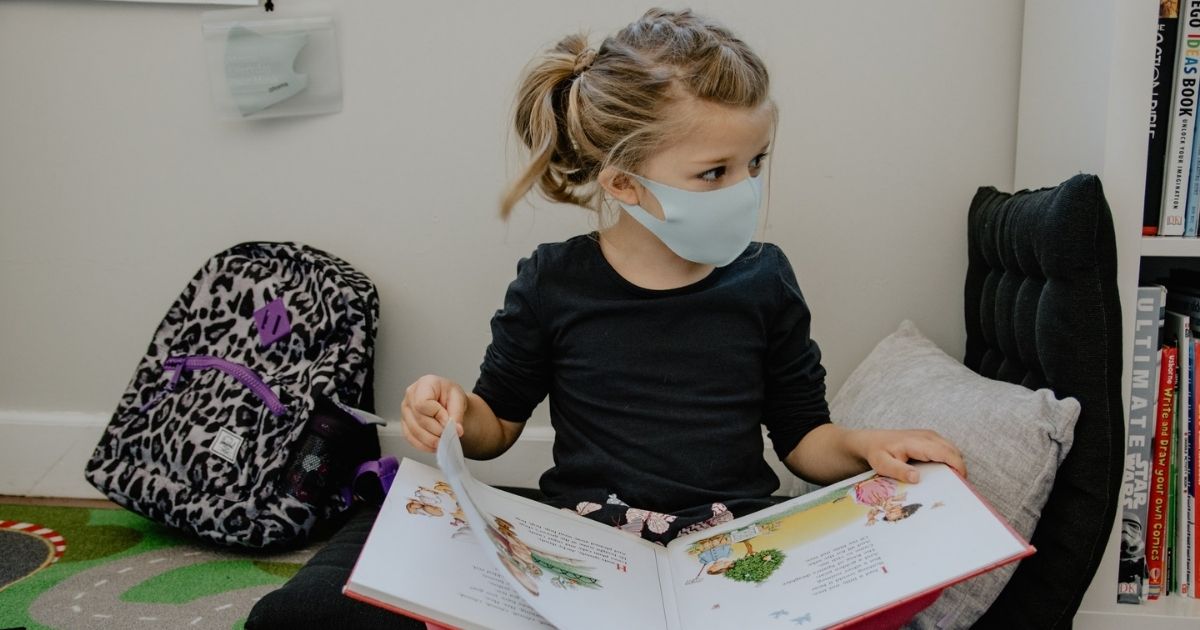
(666, 339)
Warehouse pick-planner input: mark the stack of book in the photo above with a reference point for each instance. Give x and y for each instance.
(1158, 525)
(1173, 162)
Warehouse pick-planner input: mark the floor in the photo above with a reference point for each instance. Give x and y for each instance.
(59, 501)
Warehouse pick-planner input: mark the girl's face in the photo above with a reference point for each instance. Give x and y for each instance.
(722, 145)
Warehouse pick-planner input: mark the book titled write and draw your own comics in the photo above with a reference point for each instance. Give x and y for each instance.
(449, 549)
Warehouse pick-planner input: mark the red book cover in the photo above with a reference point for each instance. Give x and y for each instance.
(1156, 533)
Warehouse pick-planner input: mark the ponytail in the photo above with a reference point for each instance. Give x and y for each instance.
(547, 121)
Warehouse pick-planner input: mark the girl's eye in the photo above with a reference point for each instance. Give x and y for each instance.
(713, 174)
(717, 173)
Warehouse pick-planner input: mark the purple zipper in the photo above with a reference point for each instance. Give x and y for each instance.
(243, 374)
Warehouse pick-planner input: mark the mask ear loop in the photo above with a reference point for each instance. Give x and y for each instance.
(646, 188)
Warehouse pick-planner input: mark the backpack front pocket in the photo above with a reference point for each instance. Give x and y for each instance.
(217, 426)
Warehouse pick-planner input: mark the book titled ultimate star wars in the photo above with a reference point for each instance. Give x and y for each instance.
(453, 551)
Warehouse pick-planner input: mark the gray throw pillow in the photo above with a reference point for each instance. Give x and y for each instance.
(1013, 440)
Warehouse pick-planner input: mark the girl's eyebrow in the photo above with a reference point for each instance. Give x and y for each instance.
(726, 159)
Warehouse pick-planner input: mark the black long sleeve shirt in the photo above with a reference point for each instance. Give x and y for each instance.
(657, 396)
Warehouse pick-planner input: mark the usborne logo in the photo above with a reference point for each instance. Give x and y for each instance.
(272, 321)
(226, 445)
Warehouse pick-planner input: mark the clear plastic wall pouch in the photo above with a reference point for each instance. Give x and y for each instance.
(281, 63)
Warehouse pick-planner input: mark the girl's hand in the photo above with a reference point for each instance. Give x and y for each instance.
(428, 405)
(888, 452)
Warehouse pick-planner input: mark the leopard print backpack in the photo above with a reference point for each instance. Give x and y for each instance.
(241, 423)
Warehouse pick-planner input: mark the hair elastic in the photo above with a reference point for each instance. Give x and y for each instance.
(583, 61)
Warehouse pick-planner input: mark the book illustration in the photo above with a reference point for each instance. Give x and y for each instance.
(783, 615)
(881, 496)
(715, 555)
(435, 502)
(732, 554)
(529, 564)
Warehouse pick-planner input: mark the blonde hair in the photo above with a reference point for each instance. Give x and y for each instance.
(579, 110)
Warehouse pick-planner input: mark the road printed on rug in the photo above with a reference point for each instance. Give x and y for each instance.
(107, 596)
(120, 570)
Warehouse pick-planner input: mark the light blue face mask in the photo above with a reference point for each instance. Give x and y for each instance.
(712, 227)
(258, 68)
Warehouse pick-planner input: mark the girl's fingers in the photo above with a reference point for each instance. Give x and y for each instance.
(421, 429)
(429, 403)
(935, 450)
(418, 444)
(456, 407)
(415, 435)
(433, 410)
(943, 451)
(891, 466)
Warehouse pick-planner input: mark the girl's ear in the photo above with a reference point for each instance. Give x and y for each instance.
(619, 185)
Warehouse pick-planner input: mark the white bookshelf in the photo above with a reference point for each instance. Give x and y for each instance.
(1083, 107)
(1170, 247)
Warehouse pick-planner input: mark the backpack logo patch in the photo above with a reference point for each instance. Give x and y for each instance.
(226, 445)
(272, 322)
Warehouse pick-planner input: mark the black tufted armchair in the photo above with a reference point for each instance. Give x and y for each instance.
(1042, 310)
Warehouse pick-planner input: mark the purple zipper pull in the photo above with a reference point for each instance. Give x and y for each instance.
(175, 366)
(171, 364)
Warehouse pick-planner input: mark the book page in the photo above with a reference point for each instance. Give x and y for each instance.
(421, 559)
(838, 553)
(575, 572)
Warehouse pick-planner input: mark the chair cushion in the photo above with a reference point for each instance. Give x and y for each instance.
(1013, 439)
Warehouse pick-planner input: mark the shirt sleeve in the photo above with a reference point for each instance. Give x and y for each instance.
(795, 379)
(514, 375)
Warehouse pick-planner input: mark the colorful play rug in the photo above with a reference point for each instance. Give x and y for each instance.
(93, 568)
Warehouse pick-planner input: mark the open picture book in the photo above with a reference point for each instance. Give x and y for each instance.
(449, 549)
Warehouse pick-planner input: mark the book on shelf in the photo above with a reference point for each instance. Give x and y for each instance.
(1166, 39)
(1179, 334)
(1183, 296)
(1178, 160)
(1184, 422)
(1156, 532)
(1191, 478)
(1143, 396)
(451, 550)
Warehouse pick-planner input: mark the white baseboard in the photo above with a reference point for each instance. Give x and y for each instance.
(43, 454)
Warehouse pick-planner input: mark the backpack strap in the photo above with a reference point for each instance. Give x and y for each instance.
(373, 479)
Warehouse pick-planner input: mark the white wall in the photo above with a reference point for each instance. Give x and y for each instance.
(117, 180)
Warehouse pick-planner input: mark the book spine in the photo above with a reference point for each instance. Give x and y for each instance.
(1178, 561)
(1193, 190)
(1187, 506)
(1135, 495)
(1170, 575)
(1178, 335)
(1165, 44)
(1156, 535)
(1193, 477)
(1178, 161)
